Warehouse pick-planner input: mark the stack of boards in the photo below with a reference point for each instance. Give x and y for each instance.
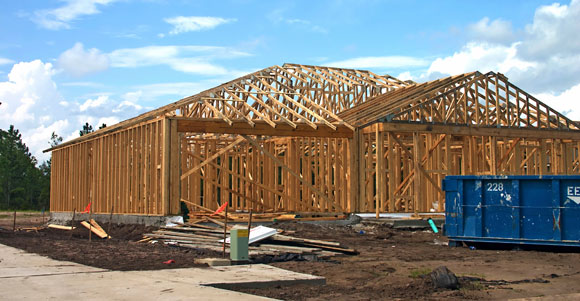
(277, 242)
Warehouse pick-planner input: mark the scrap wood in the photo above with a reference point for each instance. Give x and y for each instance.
(212, 212)
(284, 217)
(217, 222)
(191, 229)
(338, 249)
(293, 249)
(175, 233)
(30, 229)
(146, 239)
(326, 245)
(202, 226)
(53, 226)
(281, 237)
(167, 236)
(93, 229)
(208, 237)
(320, 218)
(251, 252)
(96, 225)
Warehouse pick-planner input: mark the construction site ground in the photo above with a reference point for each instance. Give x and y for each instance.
(393, 263)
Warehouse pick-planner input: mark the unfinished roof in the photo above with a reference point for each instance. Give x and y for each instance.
(291, 94)
(299, 98)
(470, 99)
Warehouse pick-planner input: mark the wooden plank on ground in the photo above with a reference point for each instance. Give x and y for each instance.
(94, 230)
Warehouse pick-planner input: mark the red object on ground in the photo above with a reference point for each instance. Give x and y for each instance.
(220, 209)
(88, 208)
(170, 261)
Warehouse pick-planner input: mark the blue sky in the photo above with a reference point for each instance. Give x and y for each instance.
(63, 63)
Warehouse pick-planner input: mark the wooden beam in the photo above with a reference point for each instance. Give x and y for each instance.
(239, 127)
(458, 130)
(289, 170)
(213, 157)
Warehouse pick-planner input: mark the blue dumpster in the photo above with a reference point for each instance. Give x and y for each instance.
(535, 210)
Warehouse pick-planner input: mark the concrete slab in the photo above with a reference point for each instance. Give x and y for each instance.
(111, 286)
(15, 262)
(214, 262)
(30, 276)
(249, 276)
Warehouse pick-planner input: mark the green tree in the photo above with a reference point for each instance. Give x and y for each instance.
(87, 128)
(44, 178)
(18, 173)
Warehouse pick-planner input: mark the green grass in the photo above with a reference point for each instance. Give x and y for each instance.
(8, 214)
(416, 273)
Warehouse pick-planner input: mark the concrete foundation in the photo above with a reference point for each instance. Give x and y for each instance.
(63, 218)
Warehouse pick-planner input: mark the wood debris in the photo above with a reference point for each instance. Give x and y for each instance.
(53, 226)
(95, 228)
(195, 235)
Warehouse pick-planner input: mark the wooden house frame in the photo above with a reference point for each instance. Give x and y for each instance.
(315, 139)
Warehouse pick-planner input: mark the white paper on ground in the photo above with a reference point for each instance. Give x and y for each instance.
(258, 233)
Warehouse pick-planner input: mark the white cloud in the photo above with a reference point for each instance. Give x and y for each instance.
(381, 62)
(189, 59)
(4, 61)
(183, 24)
(94, 103)
(28, 99)
(78, 62)
(482, 57)
(544, 59)
(566, 102)
(405, 76)
(61, 17)
(496, 31)
(174, 91)
(277, 16)
(32, 103)
(553, 32)
(82, 84)
(130, 102)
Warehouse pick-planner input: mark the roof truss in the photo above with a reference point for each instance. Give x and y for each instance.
(290, 94)
(487, 100)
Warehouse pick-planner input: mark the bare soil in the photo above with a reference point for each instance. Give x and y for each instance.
(392, 264)
(120, 253)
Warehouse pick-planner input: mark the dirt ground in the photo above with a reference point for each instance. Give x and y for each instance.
(121, 252)
(392, 264)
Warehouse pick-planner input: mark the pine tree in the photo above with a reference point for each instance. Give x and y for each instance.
(18, 173)
(87, 128)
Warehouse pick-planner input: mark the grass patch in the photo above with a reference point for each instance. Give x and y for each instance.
(416, 273)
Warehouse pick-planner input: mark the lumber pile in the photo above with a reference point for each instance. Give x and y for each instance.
(198, 236)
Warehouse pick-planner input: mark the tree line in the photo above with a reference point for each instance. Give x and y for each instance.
(24, 182)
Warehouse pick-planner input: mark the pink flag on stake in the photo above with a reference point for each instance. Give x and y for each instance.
(220, 209)
(88, 209)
